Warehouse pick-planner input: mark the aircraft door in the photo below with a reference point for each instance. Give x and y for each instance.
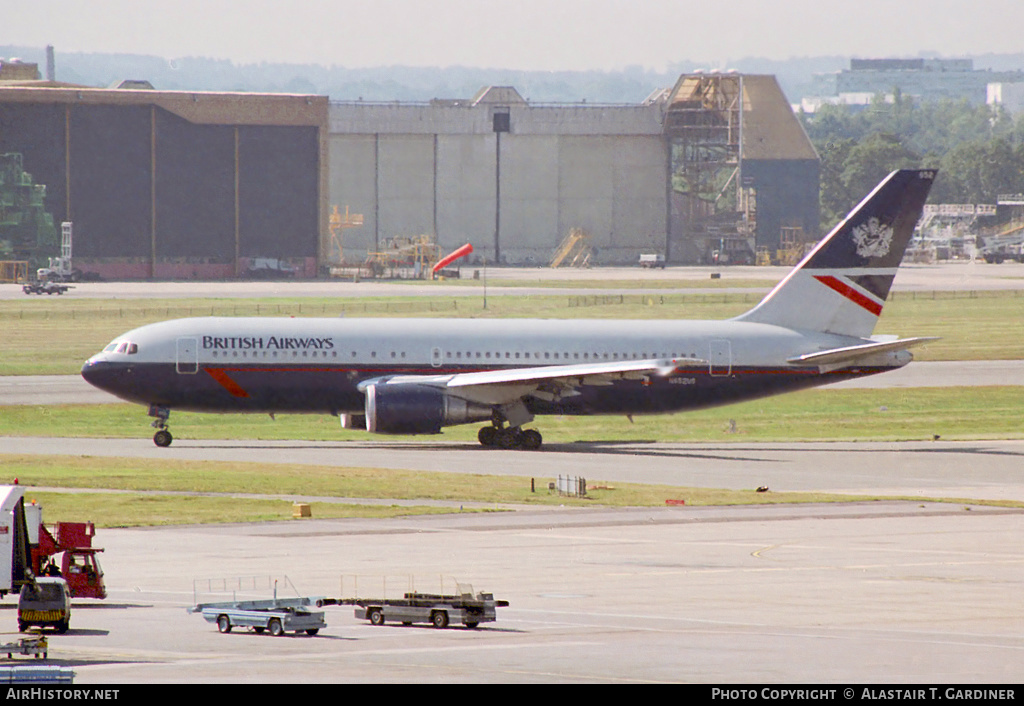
(436, 357)
(187, 360)
(720, 358)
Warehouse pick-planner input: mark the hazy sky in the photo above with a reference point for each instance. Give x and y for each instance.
(517, 34)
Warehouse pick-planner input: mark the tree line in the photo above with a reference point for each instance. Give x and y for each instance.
(978, 149)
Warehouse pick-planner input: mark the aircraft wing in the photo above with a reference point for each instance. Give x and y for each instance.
(548, 381)
(851, 354)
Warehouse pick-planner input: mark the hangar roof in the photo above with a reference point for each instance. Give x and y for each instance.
(770, 129)
(195, 106)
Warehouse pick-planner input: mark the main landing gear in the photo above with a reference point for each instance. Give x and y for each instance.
(163, 436)
(510, 438)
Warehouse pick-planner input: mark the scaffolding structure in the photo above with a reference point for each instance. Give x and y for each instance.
(703, 124)
(337, 224)
(13, 271)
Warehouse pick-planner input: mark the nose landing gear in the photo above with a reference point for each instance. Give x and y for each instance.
(163, 436)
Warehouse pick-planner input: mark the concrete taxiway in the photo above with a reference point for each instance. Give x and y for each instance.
(873, 592)
(943, 276)
(848, 594)
(983, 470)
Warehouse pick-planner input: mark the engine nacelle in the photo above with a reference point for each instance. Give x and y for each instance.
(353, 421)
(408, 408)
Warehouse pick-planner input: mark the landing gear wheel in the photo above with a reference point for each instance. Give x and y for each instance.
(163, 438)
(507, 438)
(487, 436)
(531, 439)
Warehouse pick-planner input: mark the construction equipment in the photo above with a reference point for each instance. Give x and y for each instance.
(26, 228)
(791, 246)
(60, 269)
(13, 271)
(577, 246)
(337, 224)
(406, 257)
(79, 565)
(1008, 244)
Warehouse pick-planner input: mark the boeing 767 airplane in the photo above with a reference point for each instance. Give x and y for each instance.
(417, 376)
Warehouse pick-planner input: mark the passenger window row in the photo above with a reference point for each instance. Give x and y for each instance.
(451, 355)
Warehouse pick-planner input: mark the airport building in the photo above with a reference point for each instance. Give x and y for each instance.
(927, 79)
(716, 164)
(172, 184)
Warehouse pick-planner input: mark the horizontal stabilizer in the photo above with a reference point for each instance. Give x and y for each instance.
(850, 354)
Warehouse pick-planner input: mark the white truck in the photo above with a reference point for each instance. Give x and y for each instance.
(652, 260)
(15, 541)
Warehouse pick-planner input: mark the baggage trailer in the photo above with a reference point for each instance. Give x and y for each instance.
(34, 645)
(45, 288)
(276, 616)
(437, 609)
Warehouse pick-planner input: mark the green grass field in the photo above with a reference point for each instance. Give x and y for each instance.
(143, 492)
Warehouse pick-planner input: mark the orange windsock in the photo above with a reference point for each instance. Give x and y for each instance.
(461, 252)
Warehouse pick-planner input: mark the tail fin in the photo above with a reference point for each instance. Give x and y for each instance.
(841, 286)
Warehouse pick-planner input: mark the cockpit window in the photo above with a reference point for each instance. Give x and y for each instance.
(122, 347)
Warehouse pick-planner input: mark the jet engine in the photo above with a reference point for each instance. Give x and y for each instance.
(408, 408)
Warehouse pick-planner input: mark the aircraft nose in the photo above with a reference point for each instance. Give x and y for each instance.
(89, 372)
(100, 374)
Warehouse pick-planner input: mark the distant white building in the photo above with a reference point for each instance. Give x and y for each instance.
(1009, 96)
(857, 101)
(929, 79)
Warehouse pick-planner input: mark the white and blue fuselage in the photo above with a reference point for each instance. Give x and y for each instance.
(415, 376)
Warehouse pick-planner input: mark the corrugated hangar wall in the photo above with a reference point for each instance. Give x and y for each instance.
(437, 169)
(779, 162)
(172, 185)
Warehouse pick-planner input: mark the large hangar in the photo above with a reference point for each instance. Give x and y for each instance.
(514, 178)
(175, 184)
(510, 177)
(191, 185)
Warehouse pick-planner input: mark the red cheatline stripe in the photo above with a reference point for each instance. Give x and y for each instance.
(850, 293)
(230, 385)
